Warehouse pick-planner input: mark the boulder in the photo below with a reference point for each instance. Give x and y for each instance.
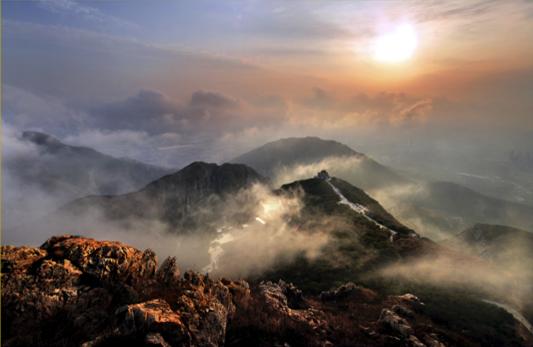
(153, 317)
(107, 262)
(390, 320)
(348, 291)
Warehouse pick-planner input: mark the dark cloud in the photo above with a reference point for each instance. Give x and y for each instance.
(148, 110)
(153, 112)
(202, 98)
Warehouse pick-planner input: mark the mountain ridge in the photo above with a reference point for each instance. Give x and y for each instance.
(173, 198)
(431, 207)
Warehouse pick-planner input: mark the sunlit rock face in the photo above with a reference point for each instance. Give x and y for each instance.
(79, 291)
(76, 291)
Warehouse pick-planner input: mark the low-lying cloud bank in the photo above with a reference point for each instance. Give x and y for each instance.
(509, 281)
(237, 249)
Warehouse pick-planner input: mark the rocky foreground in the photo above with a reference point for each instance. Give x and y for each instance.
(75, 291)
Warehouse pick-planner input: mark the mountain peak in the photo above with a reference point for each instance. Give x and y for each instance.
(187, 198)
(289, 154)
(216, 177)
(287, 151)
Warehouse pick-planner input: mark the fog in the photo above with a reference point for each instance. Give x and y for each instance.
(236, 249)
(434, 209)
(268, 236)
(508, 279)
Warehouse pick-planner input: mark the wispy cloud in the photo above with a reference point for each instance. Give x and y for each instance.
(88, 13)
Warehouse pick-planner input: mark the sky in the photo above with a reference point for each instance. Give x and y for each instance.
(169, 82)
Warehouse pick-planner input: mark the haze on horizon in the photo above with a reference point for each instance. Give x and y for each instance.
(413, 84)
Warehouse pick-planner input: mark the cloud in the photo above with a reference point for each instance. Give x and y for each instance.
(235, 250)
(382, 109)
(413, 113)
(26, 110)
(87, 66)
(320, 99)
(155, 113)
(148, 110)
(210, 99)
(510, 281)
(88, 13)
(300, 24)
(21, 200)
(457, 10)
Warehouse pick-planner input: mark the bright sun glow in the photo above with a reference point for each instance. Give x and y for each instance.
(397, 45)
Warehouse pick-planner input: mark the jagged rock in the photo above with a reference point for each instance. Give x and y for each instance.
(390, 320)
(155, 316)
(77, 291)
(19, 258)
(295, 299)
(413, 341)
(108, 262)
(412, 301)
(94, 292)
(409, 298)
(432, 341)
(403, 311)
(168, 273)
(273, 309)
(274, 297)
(155, 340)
(323, 175)
(240, 291)
(346, 291)
(38, 290)
(205, 306)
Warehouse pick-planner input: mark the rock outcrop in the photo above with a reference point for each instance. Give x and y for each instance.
(76, 291)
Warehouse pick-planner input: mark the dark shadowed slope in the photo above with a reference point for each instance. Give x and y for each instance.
(189, 198)
(359, 233)
(363, 236)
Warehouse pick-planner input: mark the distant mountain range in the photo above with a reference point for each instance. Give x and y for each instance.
(450, 207)
(50, 173)
(78, 171)
(494, 242)
(431, 207)
(362, 234)
(361, 242)
(507, 248)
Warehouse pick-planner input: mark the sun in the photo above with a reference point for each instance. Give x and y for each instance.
(397, 45)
